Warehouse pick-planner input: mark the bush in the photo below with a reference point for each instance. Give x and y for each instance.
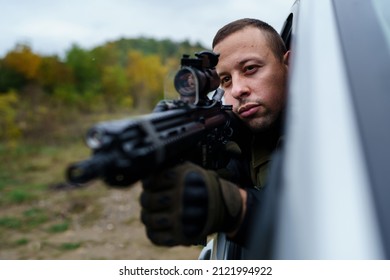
(9, 130)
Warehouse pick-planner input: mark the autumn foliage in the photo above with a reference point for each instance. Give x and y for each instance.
(41, 93)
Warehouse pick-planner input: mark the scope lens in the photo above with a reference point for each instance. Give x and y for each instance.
(186, 82)
(95, 138)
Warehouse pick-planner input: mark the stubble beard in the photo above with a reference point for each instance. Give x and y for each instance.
(259, 124)
(262, 122)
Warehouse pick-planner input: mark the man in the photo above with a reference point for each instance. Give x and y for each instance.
(184, 204)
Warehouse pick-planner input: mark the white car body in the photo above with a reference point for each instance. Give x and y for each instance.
(329, 187)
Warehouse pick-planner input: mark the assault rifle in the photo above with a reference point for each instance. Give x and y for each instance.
(193, 127)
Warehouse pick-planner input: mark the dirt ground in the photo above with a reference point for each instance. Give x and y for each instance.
(103, 224)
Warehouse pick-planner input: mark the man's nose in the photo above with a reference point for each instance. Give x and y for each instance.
(239, 87)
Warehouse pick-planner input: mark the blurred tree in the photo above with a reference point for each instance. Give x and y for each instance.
(84, 67)
(146, 75)
(54, 73)
(107, 54)
(9, 130)
(23, 61)
(115, 87)
(19, 67)
(10, 78)
(173, 66)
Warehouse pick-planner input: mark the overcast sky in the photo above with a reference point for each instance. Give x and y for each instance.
(52, 26)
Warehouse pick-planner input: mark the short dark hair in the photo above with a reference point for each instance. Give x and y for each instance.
(274, 39)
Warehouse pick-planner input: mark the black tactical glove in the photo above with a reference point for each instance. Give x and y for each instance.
(184, 204)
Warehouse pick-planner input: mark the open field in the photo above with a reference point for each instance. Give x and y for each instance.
(38, 221)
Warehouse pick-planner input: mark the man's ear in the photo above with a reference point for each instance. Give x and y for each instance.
(286, 58)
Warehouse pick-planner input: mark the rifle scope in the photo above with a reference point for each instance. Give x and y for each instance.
(197, 77)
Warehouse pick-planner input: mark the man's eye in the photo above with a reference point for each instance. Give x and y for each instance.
(250, 69)
(225, 81)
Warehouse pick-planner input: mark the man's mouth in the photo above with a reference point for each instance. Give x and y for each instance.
(247, 110)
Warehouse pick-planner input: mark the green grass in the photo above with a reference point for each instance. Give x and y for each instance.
(69, 246)
(30, 219)
(57, 228)
(18, 193)
(34, 217)
(11, 222)
(21, 242)
(18, 196)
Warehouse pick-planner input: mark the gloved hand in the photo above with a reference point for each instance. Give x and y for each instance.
(184, 204)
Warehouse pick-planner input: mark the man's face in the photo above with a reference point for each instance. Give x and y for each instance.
(254, 80)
